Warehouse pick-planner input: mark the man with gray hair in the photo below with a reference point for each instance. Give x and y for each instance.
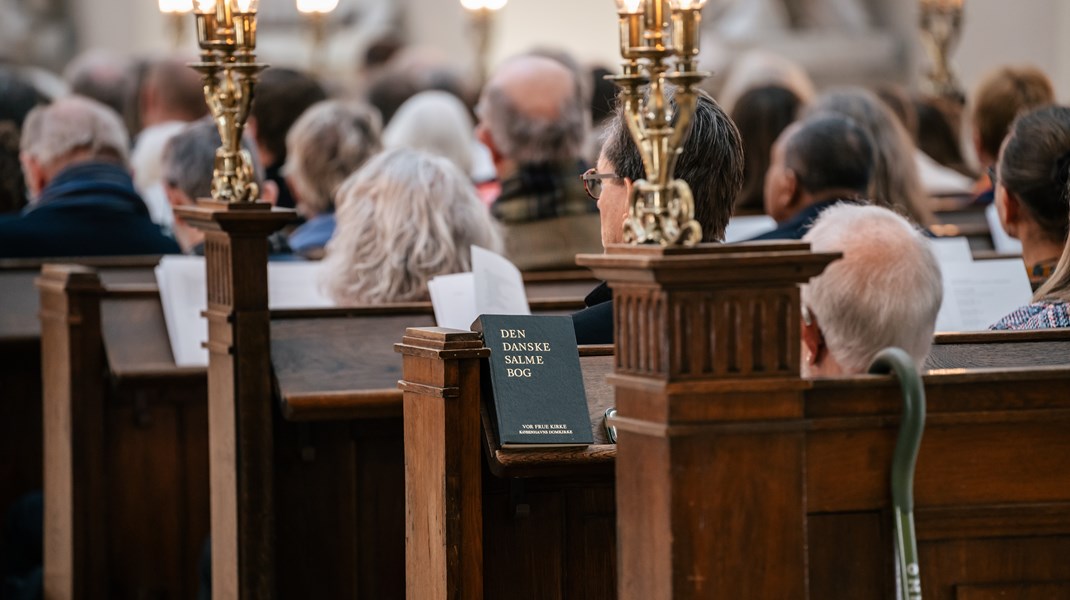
(885, 291)
(186, 168)
(532, 118)
(74, 156)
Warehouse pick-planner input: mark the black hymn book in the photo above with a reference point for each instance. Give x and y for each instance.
(536, 381)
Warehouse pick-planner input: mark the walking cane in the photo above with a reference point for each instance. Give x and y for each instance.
(907, 575)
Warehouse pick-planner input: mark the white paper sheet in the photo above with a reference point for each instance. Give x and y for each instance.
(184, 296)
(978, 294)
(494, 287)
(454, 300)
(952, 250)
(1003, 243)
(741, 229)
(499, 285)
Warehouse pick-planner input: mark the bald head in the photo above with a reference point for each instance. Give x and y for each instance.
(856, 308)
(532, 111)
(536, 86)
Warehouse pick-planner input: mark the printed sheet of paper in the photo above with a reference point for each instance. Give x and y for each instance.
(454, 300)
(978, 294)
(1003, 243)
(184, 296)
(741, 229)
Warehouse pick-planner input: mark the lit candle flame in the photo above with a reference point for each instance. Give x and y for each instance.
(317, 6)
(176, 6)
(483, 4)
(630, 7)
(206, 6)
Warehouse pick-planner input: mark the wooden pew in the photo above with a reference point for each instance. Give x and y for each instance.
(125, 480)
(20, 364)
(139, 486)
(1000, 349)
(737, 478)
(992, 488)
(486, 523)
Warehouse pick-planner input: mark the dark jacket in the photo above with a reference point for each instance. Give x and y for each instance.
(594, 324)
(796, 227)
(89, 209)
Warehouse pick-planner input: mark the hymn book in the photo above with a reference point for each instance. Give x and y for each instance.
(537, 384)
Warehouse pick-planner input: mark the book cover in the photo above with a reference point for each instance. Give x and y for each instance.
(539, 400)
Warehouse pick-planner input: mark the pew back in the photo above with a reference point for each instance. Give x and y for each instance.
(20, 365)
(992, 488)
(143, 427)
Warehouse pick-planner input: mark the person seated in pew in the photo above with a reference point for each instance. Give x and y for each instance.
(186, 168)
(435, 122)
(403, 218)
(1051, 303)
(532, 118)
(1001, 96)
(896, 182)
(1031, 187)
(712, 165)
(816, 163)
(74, 156)
(326, 145)
(282, 96)
(761, 114)
(856, 307)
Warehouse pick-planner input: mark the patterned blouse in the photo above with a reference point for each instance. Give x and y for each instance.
(1039, 315)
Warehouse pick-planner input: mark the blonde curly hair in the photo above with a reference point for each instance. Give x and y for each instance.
(404, 218)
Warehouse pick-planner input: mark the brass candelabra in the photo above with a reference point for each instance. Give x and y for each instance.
(316, 13)
(941, 27)
(654, 33)
(226, 33)
(176, 11)
(482, 14)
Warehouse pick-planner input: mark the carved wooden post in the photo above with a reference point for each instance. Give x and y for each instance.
(443, 487)
(72, 362)
(239, 394)
(707, 340)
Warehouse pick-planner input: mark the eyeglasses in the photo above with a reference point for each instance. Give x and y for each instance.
(592, 182)
(993, 176)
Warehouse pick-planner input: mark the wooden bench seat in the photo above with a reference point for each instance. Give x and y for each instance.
(20, 364)
(992, 486)
(141, 442)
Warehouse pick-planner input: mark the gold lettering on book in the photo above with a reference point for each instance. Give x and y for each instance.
(531, 353)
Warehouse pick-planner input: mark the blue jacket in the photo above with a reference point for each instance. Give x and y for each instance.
(89, 209)
(796, 227)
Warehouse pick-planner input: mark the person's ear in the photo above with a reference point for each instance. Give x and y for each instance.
(978, 147)
(483, 135)
(791, 189)
(35, 175)
(780, 193)
(269, 192)
(175, 197)
(1009, 207)
(812, 338)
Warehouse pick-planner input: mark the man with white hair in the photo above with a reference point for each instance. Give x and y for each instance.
(532, 118)
(885, 291)
(74, 156)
